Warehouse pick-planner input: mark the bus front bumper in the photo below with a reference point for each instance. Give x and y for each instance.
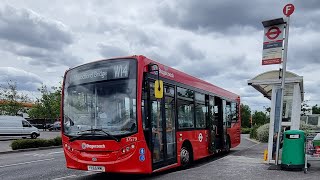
(116, 162)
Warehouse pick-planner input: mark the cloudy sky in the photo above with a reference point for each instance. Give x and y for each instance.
(219, 41)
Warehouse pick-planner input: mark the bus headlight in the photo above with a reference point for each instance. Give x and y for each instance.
(68, 147)
(127, 149)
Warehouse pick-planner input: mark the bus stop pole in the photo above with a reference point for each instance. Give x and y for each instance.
(282, 86)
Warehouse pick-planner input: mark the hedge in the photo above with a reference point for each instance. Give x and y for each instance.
(35, 143)
(307, 127)
(253, 132)
(245, 130)
(263, 133)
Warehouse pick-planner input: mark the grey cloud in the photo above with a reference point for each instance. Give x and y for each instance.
(187, 50)
(134, 34)
(56, 59)
(168, 60)
(200, 69)
(312, 87)
(303, 52)
(100, 25)
(309, 5)
(28, 28)
(222, 67)
(139, 37)
(25, 80)
(41, 57)
(237, 75)
(225, 15)
(248, 91)
(214, 15)
(22, 50)
(109, 51)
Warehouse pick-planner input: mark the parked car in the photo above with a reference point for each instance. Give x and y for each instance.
(55, 126)
(17, 126)
(39, 126)
(47, 126)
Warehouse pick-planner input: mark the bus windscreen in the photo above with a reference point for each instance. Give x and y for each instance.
(100, 96)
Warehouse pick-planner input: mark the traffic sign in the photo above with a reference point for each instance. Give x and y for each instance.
(273, 33)
(272, 44)
(288, 9)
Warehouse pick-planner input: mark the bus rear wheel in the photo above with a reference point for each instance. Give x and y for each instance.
(185, 156)
(228, 145)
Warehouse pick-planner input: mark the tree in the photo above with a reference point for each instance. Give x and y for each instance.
(245, 115)
(305, 108)
(11, 100)
(267, 110)
(48, 106)
(259, 118)
(315, 109)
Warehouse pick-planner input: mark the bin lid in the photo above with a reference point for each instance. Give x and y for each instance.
(294, 132)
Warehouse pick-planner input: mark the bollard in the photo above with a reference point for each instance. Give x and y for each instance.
(265, 155)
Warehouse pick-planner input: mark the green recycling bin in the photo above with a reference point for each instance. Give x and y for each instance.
(293, 149)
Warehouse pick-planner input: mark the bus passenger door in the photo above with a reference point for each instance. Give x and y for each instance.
(162, 115)
(170, 126)
(225, 122)
(219, 118)
(212, 126)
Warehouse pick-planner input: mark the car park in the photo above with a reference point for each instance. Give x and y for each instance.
(55, 126)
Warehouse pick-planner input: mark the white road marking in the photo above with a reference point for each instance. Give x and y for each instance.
(41, 155)
(64, 177)
(86, 173)
(29, 154)
(29, 162)
(57, 152)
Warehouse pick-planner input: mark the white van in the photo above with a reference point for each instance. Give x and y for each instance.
(17, 126)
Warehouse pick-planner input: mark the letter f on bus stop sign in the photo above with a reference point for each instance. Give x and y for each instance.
(288, 9)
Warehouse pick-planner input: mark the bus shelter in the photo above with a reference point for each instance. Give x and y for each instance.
(269, 84)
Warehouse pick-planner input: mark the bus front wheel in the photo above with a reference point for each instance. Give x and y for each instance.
(186, 156)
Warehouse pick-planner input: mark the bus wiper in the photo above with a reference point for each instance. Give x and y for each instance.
(94, 130)
(78, 137)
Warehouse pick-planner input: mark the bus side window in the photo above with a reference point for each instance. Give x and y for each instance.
(185, 107)
(185, 114)
(228, 114)
(201, 110)
(234, 112)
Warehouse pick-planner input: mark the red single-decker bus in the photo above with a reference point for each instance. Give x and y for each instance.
(114, 121)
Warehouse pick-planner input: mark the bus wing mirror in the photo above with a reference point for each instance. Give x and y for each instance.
(158, 89)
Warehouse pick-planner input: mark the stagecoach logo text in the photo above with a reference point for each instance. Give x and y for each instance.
(90, 146)
(166, 73)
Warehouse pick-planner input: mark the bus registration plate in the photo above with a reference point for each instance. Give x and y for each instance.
(96, 168)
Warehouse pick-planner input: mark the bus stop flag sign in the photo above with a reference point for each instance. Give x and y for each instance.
(288, 9)
(272, 44)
